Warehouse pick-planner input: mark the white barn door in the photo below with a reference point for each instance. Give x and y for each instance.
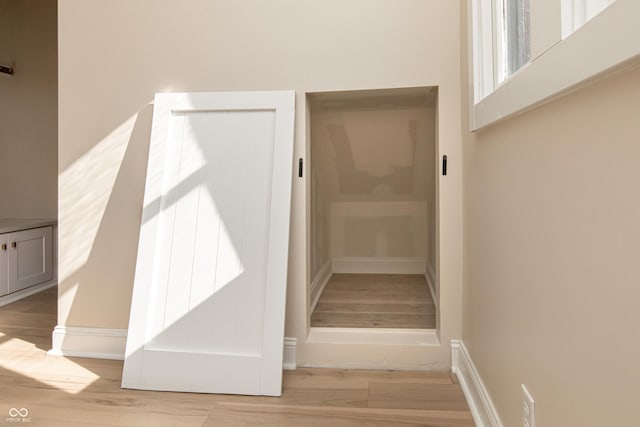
(208, 304)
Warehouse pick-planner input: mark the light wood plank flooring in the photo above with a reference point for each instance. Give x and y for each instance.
(59, 391)
(375, 301)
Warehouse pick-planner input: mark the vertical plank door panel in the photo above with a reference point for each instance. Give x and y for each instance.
(207, 313)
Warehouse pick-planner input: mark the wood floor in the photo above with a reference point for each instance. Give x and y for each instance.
(66, 392)
(375, 301)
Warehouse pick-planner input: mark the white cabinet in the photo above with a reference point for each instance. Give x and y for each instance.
(26, 259)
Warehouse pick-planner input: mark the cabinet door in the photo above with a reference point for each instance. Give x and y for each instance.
(4, 246)
(30, 255)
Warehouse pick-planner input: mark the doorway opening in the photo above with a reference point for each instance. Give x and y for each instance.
(372, 209)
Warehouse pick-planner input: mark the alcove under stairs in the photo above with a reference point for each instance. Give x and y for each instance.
(375, 301)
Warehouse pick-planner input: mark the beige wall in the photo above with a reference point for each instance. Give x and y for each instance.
(376, 154)
(379, 230)
(432, 210)
(320, 217)
(6, 30)
(375, 167)
(28, 109)
(551, 255)
(107, 78)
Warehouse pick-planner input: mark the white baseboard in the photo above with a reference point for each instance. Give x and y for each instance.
(100, 343)
(482, 409)
(23, 293)
(289, 361)
(95, 343)
(319, 282)
(379, 265)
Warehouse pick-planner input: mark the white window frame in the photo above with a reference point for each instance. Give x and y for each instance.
(608, 41)
(502, 46)
(490, 46)
(500, 43)
(576, 13)
(483, 46)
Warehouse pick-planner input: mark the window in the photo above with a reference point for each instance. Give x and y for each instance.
(517, 40)
(576, 13)
(563, 43)
(502, 42)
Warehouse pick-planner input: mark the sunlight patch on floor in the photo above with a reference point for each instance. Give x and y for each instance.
(17, 356)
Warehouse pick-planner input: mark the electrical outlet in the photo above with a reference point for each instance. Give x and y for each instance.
(528, 408)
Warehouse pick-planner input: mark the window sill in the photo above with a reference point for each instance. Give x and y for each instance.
(604, 44)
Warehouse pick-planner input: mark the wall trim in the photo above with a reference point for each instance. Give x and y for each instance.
(319, 282)
(23, 293)
(377, 336)
(101, 343)
(94, 343)
(482, 409)
(364, 265)
(289, 360)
